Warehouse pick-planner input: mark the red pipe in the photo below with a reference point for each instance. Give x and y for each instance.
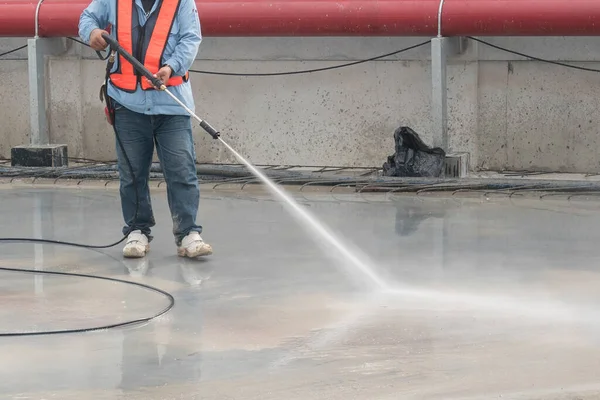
(341, 18)
(16, 19)
(521, 18)
(256, 18)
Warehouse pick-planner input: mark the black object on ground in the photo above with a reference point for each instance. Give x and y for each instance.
(49, 155)
(413, 158)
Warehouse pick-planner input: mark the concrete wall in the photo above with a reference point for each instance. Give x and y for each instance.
(508, 113)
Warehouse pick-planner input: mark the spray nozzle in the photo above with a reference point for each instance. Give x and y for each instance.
(210, 130)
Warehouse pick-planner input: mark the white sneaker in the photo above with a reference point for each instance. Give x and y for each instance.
(137, 245)
(193, 246)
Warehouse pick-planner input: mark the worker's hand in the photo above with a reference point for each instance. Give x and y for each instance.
(164, 74)
(97, 42)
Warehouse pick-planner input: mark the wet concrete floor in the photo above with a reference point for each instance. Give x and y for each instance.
(492, 298)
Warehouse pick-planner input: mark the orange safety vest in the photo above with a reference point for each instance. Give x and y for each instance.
(125, 77)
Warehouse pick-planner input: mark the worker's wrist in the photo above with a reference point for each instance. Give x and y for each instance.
(173, 65)
(90, 33)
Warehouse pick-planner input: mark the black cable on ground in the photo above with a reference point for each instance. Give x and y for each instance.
(99, 328)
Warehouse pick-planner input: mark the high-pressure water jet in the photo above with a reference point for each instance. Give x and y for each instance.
(312, 223)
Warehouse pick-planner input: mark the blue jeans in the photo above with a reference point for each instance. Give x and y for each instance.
(172, 135)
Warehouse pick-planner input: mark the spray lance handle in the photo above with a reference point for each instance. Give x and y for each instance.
(115, 46)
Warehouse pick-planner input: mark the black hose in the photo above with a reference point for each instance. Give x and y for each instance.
(92, 329)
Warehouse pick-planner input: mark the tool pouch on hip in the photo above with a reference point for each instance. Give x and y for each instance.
(109, 109)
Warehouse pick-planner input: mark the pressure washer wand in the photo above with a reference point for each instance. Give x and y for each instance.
(115, 46)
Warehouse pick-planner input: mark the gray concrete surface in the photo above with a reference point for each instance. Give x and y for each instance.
(506, 112)
(492, 298)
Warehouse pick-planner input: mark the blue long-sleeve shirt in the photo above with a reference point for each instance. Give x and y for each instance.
(180, 53)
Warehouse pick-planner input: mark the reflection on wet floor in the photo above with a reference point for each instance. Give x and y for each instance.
(492, 298)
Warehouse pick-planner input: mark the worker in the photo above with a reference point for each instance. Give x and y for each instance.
(165, 36)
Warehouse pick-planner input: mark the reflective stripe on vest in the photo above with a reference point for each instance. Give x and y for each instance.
(125, 77)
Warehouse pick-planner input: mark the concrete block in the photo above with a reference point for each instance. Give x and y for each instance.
(457, 165)
(52, 155)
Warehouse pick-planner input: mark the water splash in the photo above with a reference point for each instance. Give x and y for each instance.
(532, 306)
(318, 227)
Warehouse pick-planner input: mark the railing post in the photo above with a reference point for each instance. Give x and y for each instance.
(37, 92)
(456, 164)
(439, 99)
(40, 152)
